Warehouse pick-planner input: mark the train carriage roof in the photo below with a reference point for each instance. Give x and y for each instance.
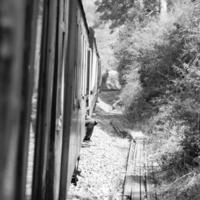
(88, 29)
(84, 16)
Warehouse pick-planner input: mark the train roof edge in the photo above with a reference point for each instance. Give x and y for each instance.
(90, 30)
(84, 15)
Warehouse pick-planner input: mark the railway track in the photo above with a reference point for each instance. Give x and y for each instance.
(136, 184)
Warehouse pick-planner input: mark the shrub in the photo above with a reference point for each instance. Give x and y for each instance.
(165, 60)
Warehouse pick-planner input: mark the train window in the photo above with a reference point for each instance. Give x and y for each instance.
(62, 73)
(32, 130)
(75, 89)
(82, 63)
(64, 5)
(88, 78)
(88, 72)
(85, 69)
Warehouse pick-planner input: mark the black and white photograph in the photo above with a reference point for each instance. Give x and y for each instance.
(99, 99)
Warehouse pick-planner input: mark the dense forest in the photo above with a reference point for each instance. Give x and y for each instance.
(157, 55)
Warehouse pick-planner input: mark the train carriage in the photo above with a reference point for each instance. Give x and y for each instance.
(49, 63)
(94, 69)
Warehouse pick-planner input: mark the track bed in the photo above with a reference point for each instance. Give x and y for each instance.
(137, 180)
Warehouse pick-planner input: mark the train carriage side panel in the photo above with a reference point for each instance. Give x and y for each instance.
(94, 73)
(74, 105)
(32, 66)
(54, 172)
(58, 81)
(43, 128)
(75, 112)
(11, 36)
(83, 92)
(93, 90)
(69, 151)
(19, 36)
(88, 79)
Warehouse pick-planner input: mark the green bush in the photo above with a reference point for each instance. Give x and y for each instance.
(159, 63)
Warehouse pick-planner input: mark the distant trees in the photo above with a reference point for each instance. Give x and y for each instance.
(118, 12)
(159, 63)
(158, 59)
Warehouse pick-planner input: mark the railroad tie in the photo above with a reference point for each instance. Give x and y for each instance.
(135, 185)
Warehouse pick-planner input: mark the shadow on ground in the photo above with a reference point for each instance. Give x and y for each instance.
(106, 116)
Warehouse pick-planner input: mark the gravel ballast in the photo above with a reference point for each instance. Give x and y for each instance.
(102, 165)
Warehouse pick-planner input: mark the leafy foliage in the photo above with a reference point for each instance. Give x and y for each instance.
(111, 10)
(159, 63)
(119, 12)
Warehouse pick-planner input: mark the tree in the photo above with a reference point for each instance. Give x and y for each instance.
(119, 12)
